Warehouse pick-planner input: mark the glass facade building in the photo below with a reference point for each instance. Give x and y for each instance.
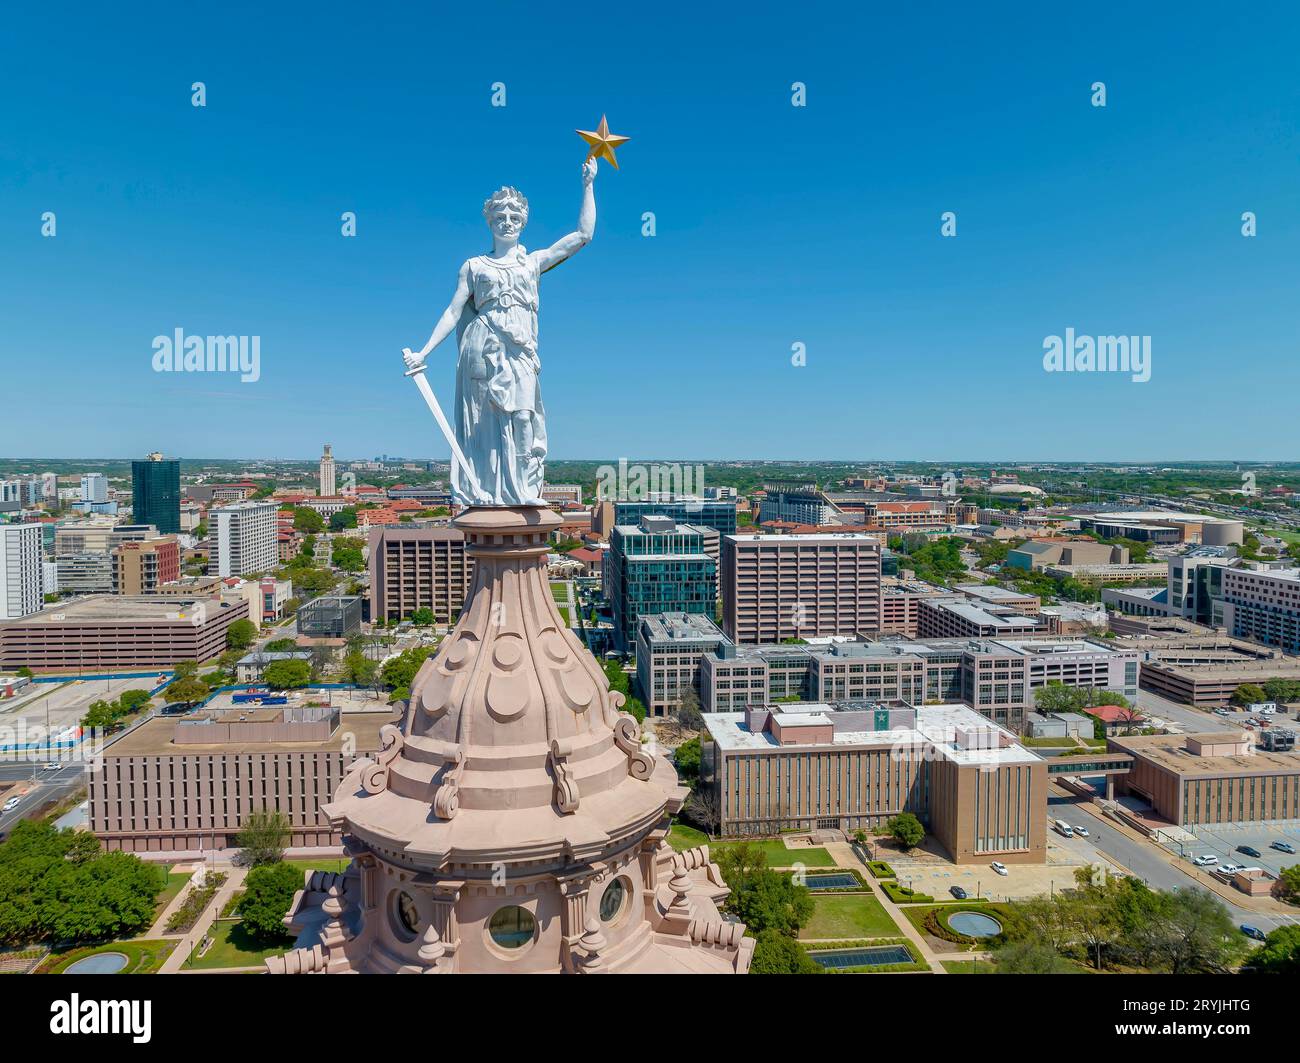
(156, 494)
(658, 566)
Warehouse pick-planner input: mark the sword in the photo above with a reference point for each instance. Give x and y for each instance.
(422, 382)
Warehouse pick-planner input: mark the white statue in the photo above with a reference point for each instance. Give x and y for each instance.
(500, 419)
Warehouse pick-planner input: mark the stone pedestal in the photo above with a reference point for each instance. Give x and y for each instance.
(515, 805)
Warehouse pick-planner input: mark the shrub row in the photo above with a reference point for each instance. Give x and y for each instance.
(198, 899)
(880, 869)
(904, 894)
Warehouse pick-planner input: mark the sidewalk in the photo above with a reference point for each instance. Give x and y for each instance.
(234, 881)
(846, 856)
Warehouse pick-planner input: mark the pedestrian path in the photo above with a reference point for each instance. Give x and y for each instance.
(189, 942)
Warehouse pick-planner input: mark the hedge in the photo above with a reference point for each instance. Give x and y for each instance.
(904, 895)
(880, 869)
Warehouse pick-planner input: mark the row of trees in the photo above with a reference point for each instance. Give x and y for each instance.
(1280, 690)
(109, 716)
(1110, 922)
(772, 905)
(59, 887)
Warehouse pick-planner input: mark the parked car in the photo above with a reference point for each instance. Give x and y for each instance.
(1228, 869)
(1082, 832)
(958, 892)
(1249, 850)
(53, 765)
(1222, 712)
(1253, 932)
(1205, 859)
(1283, 847)
(10, 805)
(1000, 868)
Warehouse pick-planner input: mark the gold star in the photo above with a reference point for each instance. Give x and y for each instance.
(602, 142)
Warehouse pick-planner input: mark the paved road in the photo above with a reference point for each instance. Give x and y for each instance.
(51, 786)
(1144, 859)
(1189, 719)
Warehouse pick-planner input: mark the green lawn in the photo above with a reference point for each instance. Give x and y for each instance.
(564, 612)
(848, 916)
(175, 883)
(682, 837)
(560, 592)
(321, 863)
(232, 947)
(967, 966)
(144, 955)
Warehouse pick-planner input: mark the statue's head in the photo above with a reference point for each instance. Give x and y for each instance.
(506, 211)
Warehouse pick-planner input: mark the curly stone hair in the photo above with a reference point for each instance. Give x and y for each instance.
(504, 195)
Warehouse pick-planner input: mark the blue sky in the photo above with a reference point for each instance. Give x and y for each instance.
(775, 225)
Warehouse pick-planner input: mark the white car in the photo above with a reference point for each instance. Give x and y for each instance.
(53, 765)
(10, 805)
(1205, 859)
(1000, 868)
(1228, 869)
(1082, 832)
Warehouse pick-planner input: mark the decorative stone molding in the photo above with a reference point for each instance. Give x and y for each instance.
(716, 932)
(446, 799)
(298, 961)
(592, 943)
(566, 788)
(374, 773)
(627, 736)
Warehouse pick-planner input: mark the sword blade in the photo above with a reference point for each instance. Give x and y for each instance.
(432, 402)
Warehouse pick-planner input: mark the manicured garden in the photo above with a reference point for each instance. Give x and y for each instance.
(905, 894)
(682, 837)
(933, 920)
(321, 863)
(880, 869)
(848, 916)
(175, 883)
(232, 946)
(144, 955)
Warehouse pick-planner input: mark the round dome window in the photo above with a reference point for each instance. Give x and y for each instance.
(512, 927)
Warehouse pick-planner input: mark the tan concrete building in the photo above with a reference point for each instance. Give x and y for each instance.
(798, 586)
(953, 618)
(1206, 671)
(184, 785)
(119, 631)
(1220, 777)
(141, 567)
(818, 767)
(418, 568)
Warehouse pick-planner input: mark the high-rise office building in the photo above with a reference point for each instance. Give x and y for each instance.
(20, 570)
(417, 568)
(244, 538)
(156, 493)
(776, 587)
(327, 479)
(94, 487)
(657, 566)
(718, 514)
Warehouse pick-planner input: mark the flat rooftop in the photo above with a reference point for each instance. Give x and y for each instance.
(123, 609)
(1169, 751)
(681, 627)
(154, 737)
(977, 615)
(936, 727)
(991, 592)
(819, 537)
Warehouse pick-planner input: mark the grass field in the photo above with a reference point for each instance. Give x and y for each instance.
(175, 883)
(321, 863)
(848, 916)
(967, 966)
(682, 837)
(232, 947)
(144, 956)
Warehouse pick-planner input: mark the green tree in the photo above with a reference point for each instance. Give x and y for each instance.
(187, 689)
(1248, 694)
(398, 672)
(313, 582)
(268, 892)
(1030, 957)
(1280, 953)
(306, 519)
(281, 646)
(422, 617)
(102, 716)
(1288, 884)
(346, 554)
(344, 518)
(133, 699)
(687, 759)
(58, 886)
(906, 829)
(359, 669)
(771, 900)
(1196, 934)
(240, 635)
(689, 711)
(634, 706)
(778, 953)
(1282, 690)
(289, 674)
(262, 838)
(1057, 697)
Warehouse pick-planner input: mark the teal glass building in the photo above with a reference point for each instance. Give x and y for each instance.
(156, 493)
(657, 566)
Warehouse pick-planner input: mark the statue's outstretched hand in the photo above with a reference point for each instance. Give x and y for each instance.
(412, 360)
(588, 171)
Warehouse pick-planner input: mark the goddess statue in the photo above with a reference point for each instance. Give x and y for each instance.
(499, 417)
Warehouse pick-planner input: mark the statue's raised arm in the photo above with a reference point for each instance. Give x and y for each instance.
(580, 237)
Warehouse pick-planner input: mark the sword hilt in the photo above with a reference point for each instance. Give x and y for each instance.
(418, 369)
